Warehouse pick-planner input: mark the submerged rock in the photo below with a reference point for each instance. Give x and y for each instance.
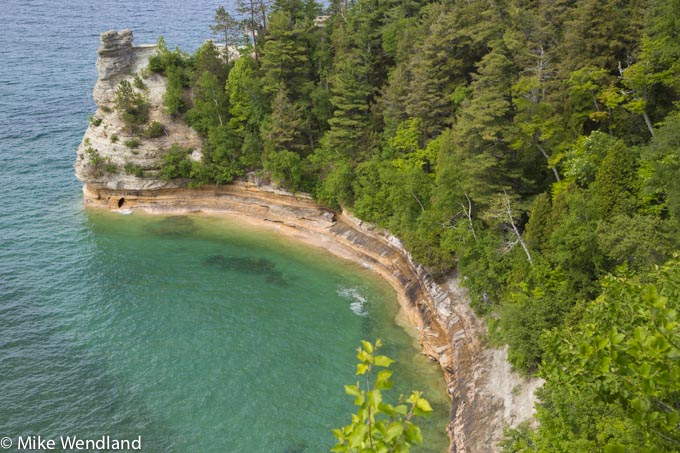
(174, 226)
(247, 265)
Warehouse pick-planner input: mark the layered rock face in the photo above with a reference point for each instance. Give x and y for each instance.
(115, 54)
(104, 160)
(486, 394)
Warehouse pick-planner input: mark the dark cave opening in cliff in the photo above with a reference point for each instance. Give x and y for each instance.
(121, 202)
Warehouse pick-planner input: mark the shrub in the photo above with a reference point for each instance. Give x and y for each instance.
(106, 109)
(138, 83)
(110, 167)
(113, 138)
(94, 120)
(378, 425)
(98, 166)
(154, 130)
(132, 107)
(132, 143)
(176, 163)
(134, 169)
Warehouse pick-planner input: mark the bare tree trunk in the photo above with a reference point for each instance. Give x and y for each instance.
(648, 122)
(547, 157)
(508, 211)
(219, 115)
(468, 214)
(421, 205)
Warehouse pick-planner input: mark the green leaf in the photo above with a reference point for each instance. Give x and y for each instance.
(362, 368)
(413, 434)
(424, 405)
(383, 361)
(364, 356)
(382, 381)
(640, 404)
(394, 430)
(358, 436)
(604, 365)
(374, 398)
(352, 390)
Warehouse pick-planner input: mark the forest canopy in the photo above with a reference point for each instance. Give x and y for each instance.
(531, 146)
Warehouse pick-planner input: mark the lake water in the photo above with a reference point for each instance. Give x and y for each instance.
(195, 333)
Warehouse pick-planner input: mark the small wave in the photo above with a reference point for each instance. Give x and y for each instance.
(124, 211)
(357, 300)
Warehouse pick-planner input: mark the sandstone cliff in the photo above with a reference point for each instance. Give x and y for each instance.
(486, 395)
(103, 156)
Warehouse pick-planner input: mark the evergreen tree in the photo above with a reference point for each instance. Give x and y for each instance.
(229, 29)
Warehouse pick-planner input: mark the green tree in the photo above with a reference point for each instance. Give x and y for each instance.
(132, 108)
(349, 123)
(210, 104)
(624, 353)
(228, 28)
(283, 129)
(173, 100)
(176, 163)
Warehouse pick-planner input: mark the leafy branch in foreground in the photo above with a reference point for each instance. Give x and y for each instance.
(377, 426)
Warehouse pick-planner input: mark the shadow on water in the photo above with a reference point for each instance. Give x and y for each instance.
(172, 227)
(298, 447)
(247, 265)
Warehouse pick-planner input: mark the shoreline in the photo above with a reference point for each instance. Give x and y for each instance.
(480, 384)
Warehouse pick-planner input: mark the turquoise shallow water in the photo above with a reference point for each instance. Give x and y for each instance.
(195, 333)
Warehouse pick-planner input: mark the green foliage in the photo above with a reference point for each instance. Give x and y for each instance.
(131, 106)
(96, 162)
(663, 156)
(480, 133)
(286, 168)
(377, 425)
(176, 163)
(113, 138)
(138, 83)
(154, 130)
(615, 187)
(110, 167)
(210, 104)
(132, 143)
(282, 130)
(165, 58)
(133, 169)
(229, 28)
(173, 100)
(93, 120)
(624, 355)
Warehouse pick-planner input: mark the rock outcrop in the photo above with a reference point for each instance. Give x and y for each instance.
(110, 154)
(486, 394)
(115, 54)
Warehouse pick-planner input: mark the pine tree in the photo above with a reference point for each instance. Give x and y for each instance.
(283, 129)
(349, 123)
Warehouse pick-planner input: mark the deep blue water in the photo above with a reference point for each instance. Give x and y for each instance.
(136, 325)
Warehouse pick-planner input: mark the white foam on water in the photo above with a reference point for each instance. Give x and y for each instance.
(357, 300)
